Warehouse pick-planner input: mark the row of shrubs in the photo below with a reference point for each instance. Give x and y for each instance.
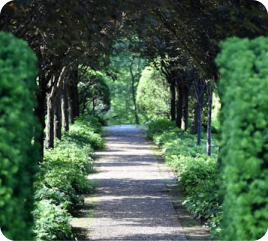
(196, 172)
(62, 179)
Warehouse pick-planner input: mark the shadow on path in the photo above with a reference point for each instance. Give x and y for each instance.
(131, 202)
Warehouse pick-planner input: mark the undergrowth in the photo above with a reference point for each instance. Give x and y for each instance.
(62, 179)
(196, 172)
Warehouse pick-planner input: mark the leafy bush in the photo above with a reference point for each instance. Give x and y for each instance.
(243, 88)
(197, 173)
(18, 156)
(62, 179)
(51, 221)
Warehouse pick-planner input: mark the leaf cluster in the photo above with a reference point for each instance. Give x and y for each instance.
(18, 155)
(197, 173)
(62, 180)
(243, 89)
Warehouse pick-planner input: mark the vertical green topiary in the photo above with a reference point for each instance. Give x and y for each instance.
(18, 157)
(243, 87)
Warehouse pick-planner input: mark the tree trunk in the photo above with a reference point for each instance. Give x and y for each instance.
(172, 101)
(51, 99)
(39, 111)
(179, 106)
(73, 102)
(50, 123)
(133, 89)
(210, 101)
(184, 121)
(64, 109)
(194, 125)
(57, 117)
(199, 86)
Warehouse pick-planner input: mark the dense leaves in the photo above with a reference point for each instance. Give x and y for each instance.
(243, 89)
(18, 154)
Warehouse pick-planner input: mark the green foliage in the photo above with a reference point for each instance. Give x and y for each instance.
(52, 221)
(243, 88)
(159, 126)
(62, 179)
(153, 95)
(197, 173)
(18, 155)
(94, 93)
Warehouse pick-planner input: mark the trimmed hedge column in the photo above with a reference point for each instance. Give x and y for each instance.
(18, 156)
(243, 89)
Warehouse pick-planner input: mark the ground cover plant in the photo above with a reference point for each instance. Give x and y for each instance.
(62, 180)
(197, 172)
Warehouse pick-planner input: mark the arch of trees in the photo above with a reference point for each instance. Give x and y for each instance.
(180, 38)
(74, 41)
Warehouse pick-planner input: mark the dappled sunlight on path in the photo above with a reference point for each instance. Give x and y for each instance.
(131, 199)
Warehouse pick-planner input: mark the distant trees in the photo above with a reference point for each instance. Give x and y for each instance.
(183, 35)
(153, 95)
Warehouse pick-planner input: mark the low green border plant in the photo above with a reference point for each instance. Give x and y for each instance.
(62, 179)
(196, 172)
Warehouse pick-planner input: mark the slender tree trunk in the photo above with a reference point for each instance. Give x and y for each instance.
(70, 103)
(73, 102)
(40, 111)
(51, 98)
(184, 123)
(133, 90)
(50, 123)
(58, 117)
(199, 89)
(179, 106)
(199, 126)
(194, 125)
(210, 101)
(172, 101)
(64, 109)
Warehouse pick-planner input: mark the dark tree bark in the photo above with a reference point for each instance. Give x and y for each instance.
(210, 101)
(58, 117)
(39, 111)
(64, 109)
(72, 94)
(194, 125)
(184, 121)
(134, 78)
(199, 86)
(179, 105)
(172, 100)
(51, 99)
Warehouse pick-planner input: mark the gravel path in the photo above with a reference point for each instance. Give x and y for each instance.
(131, 200)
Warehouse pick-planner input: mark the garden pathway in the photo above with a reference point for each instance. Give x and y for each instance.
(131, 202)
(137, 196)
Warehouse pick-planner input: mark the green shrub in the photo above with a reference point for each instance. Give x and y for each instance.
(62, 179)
(197, 174)
(243, 88)
(159, 126)
(18, 156)
(52, 222)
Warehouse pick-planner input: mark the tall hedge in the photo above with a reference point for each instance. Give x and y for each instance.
(243, 88)
(18, 156)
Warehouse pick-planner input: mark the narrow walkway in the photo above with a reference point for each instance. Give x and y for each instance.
(131, 200)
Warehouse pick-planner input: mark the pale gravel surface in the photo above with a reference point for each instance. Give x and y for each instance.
(131, 200)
